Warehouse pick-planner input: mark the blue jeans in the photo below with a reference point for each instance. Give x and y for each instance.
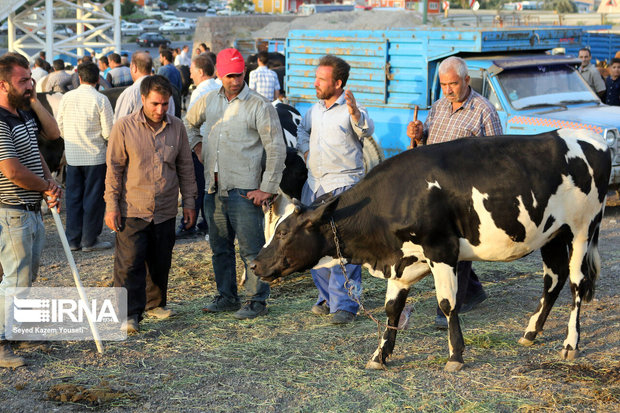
(230, 217)
(22, 236)
(331, 281)
(85, 204)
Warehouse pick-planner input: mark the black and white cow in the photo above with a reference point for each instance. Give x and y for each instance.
(422, 211)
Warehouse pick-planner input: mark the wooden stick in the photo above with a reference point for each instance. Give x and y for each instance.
(76, 276)
(415, 118)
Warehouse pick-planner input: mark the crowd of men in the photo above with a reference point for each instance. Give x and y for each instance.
(128, 164)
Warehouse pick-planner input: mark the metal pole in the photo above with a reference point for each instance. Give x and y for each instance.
(425, 12)
(76, 276)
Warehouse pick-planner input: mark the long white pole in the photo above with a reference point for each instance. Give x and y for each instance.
(76, 276)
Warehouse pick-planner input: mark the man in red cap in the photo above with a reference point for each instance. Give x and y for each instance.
(240, 125)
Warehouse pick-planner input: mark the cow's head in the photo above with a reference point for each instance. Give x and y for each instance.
(293, 239)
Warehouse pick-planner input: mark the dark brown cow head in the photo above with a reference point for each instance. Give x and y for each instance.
(297, 243)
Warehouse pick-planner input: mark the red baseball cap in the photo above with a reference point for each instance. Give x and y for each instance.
(229, 61)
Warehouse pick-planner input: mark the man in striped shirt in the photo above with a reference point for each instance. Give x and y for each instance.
(85, 121)
(24, 181)
(461, 113)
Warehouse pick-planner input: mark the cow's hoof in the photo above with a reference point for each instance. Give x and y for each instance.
(569, 354)
(525, 342)
(453, 366)
(373, 365)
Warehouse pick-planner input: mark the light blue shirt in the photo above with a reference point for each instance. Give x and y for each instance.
(334, 144)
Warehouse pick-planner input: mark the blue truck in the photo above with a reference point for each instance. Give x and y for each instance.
(395, 70)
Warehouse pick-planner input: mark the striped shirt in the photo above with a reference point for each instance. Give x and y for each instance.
(85, 121)
(476, 117)
(18, 139)
(265, 82)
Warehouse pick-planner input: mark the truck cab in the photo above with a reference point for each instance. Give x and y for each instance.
(538, 93)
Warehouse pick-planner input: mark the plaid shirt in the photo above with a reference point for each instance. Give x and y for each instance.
(476, 117)
(265, 82)
(85, 121)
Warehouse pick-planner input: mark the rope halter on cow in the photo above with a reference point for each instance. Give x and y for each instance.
(352, 290)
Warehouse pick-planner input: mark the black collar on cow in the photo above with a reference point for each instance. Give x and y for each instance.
(351, 290)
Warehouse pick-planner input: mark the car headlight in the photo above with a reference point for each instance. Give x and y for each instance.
(610, 138)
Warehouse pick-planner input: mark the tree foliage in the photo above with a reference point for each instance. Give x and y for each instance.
(561, 6)
(128, 7)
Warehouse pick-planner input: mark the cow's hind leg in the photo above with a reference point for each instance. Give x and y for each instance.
(395, 299)
(555, 265)
(584, 268)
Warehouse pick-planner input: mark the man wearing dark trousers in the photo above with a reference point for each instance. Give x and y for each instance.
(85, 120)
(148, 161)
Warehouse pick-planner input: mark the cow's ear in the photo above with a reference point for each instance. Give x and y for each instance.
(321, 214)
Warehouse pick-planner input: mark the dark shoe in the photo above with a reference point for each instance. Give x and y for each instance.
(8, 358)
(202, 228)
(320, 309)
(98, 246)
(183, 233)
(473, 303)
(441, 322)
(342, 317)
(220, 304)
(131, 325)
(160, 312)
(251, 309)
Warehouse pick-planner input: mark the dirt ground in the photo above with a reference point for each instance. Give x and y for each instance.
(291, 360)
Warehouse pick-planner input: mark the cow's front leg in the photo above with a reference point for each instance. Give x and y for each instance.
(446, 287)
(395, 299)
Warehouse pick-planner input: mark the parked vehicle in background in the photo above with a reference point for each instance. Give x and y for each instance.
(184, 7)
(198, 7)
(175, 26)
(59, 31)
(152, 40)
(168, 15)
(154, 14)
(191, 22)
(308, 9)
(150, 25)
(131, 29)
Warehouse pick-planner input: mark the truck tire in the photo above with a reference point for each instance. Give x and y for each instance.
(373, 154)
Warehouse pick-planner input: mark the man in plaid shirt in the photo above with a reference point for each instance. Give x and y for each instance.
(461, 113)
(264, 80)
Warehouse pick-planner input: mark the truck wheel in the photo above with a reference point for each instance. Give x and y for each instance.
(373, 154)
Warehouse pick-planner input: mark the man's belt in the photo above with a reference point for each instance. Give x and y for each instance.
(24, 207)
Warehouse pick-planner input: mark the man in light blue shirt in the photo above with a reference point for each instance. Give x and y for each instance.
(330, 137)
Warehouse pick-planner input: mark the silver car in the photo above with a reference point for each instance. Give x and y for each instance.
(150, 25)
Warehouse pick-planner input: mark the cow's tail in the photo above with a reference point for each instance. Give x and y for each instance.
(591, 266)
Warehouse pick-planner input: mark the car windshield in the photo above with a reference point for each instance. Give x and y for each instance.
(540, 86)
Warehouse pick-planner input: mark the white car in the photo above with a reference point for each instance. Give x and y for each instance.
(60, 31)
(131, 29)
(150, 25)
(175, 27)
(168, 15)
(189, 21)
